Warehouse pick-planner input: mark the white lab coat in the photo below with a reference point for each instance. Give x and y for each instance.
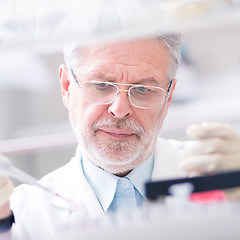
(39, 215)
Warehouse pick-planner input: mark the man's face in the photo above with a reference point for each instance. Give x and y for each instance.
(118, 137)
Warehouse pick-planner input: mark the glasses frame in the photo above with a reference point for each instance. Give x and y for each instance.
(123, 90)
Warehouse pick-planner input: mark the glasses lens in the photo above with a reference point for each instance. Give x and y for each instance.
(147, 96)
(99, 92)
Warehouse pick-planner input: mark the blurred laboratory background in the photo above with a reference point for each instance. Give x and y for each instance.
(34, 128)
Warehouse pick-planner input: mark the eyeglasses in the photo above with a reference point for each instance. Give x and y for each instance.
(140, 96)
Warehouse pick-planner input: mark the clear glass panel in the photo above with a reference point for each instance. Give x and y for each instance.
(48, 25)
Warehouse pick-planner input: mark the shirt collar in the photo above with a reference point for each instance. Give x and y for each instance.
(142, 174)
(104, 183)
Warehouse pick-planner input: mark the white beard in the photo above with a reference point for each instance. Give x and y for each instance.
(117, 156)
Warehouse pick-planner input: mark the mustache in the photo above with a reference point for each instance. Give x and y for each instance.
(118, 123)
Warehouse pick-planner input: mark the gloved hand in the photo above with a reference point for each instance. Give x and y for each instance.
(216, 149)
(6, 186)
(6, 189)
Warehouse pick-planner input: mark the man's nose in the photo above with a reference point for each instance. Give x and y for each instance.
(120, 107)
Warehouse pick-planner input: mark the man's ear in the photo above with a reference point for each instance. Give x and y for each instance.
(64, 82)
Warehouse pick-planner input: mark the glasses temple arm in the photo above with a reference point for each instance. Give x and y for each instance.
(74, 77)
(169, 87)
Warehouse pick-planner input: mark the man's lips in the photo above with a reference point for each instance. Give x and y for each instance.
(118, 133)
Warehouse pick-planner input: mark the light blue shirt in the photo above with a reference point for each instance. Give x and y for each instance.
(116, 193)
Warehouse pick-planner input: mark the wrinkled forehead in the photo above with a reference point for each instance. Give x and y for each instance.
(145, 50)
(125, 61)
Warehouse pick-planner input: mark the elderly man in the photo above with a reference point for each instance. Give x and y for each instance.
(117, 96)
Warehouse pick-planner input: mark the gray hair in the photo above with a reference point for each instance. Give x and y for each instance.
(174, 45)
(74, 55)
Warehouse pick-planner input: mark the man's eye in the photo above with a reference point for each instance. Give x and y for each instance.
(142, 89)
(101, 85)
(106, 87)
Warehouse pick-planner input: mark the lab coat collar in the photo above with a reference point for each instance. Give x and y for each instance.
(72, 184)
(171, 150)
